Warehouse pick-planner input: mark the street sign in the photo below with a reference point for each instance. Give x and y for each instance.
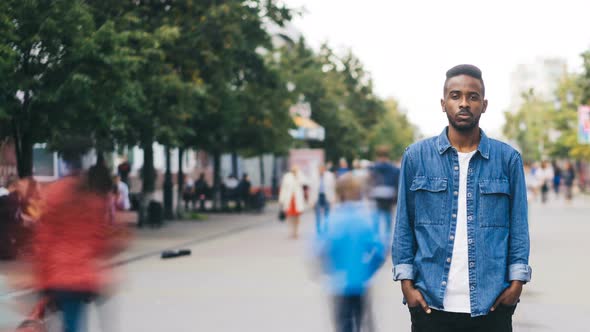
(301, 109)
(584, 124)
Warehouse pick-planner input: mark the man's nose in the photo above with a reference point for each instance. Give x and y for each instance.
(464, 102)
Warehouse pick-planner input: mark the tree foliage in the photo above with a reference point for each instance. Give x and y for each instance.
(549, 130)
(342, 100)
(184, 73)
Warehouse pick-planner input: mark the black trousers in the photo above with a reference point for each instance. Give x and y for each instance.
(439, 321)
(350, 312)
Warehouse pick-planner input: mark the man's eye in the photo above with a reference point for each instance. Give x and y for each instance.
(474, 97)
(454, 96)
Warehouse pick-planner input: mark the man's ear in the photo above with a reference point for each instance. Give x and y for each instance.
(442, 105)
(485, 106)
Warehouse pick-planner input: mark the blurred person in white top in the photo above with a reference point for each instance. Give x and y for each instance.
(122, 201)
(545, 175)
(322, 196)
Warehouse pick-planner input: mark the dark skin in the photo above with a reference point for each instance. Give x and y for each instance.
(464, 103)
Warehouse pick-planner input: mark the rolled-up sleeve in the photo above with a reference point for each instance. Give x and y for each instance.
(519, 245)
(520, 272)
(403, 247)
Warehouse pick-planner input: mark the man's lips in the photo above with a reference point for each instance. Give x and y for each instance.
(464, 115)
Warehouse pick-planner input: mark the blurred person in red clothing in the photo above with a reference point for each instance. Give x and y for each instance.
(74, 238)
(292, 198)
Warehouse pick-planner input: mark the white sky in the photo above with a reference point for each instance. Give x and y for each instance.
(407, 46)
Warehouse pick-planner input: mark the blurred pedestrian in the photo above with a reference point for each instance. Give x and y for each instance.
(30, 211)
(230, 192)
(188, 192)
(461, 238)
(244, 188)
(351, 252)
(322, 196)
(342, 167)
(331, 167)
(123, 170)
(557, 176)
(532, 183)
(74, 238)
(569, 175)
(582, 171)
(10, 219)
(545, 174)
(384, 179)
(361, 169)
(291, 198)
(201, 189)
(122, 202)
(3, 188)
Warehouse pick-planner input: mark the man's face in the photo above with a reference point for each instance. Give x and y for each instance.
(463, 102)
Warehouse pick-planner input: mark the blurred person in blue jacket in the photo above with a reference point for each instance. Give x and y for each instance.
(384, 181)
(351, 252)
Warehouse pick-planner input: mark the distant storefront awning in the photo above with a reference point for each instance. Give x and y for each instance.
(307, 129)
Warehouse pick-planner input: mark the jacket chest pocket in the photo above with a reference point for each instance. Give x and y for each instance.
(430, 200)
(494, 203)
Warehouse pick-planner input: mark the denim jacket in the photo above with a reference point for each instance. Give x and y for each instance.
(497, 220)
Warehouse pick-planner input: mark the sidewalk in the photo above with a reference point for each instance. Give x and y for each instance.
(146, 242)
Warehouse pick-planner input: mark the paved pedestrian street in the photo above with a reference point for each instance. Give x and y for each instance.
(245, 274)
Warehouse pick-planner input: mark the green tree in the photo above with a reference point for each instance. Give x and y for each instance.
(64, 75)
(341, 96)
(316, 79)
(224, 51)
(393, 130)
(569, 95)
(38, 37)
(529, 127)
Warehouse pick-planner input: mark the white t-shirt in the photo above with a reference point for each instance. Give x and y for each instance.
(123, 201)
(457, 292)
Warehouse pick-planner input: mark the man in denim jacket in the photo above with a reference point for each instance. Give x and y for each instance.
(461, 239)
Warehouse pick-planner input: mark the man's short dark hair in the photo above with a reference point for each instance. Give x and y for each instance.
(469, 70)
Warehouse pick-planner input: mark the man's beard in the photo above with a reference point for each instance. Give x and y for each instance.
(463, 126)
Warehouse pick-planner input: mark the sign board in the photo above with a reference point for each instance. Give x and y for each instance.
(312, 134)
(584, 124)
(308, 160)
(301, 109)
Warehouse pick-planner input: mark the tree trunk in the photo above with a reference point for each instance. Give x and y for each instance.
(23, 146)
(99, 157)
(216, 180)
(23, 139)
(234, 164)
(261, 160)
(180, 182)
(148, 173)
(168, 191)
